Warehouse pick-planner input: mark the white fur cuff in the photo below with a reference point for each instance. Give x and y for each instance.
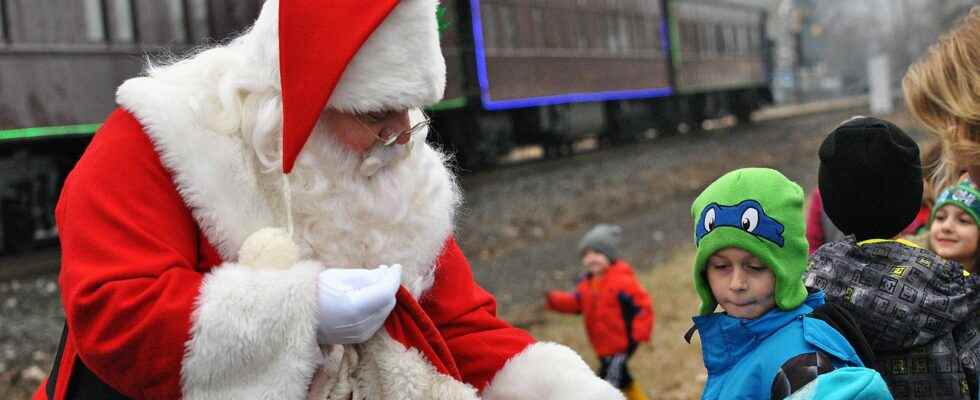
(548, 371)
(253, 334)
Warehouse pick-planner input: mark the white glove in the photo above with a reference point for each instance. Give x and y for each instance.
(354, 303)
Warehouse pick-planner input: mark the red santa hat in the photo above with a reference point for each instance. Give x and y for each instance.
(354, 56)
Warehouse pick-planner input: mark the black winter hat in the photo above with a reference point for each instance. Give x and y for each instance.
(870, 178)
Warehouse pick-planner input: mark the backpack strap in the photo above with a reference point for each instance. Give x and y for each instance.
(841, 320)
(799, 371)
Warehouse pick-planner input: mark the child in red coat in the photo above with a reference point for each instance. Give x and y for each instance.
(618, 311)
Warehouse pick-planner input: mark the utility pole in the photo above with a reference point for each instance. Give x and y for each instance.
(795, 22)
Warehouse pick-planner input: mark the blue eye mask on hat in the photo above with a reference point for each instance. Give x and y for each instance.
(747, 216)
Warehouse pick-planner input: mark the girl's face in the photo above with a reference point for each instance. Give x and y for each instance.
(953, 235)
(741, 284)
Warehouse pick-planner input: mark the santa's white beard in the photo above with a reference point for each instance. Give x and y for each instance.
(402, 214)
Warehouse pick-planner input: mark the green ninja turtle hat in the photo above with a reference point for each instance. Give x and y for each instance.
(963, 195)
(760, 211)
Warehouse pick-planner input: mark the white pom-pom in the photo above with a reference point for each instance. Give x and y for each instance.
(269, 248)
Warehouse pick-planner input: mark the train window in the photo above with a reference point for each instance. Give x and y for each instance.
(603, 42)
(646, 37)
(583, 30)
(198, 11)
(693, 43)
(743, 40)
(3, 22)
(697, 40)
(653, 29)
(488, 15)
(690, 43)
(638, 31)
(567, 37)
(159, 23)
(566, 32)
(538, 27)
(707, 39)
(612, 33)
(552, 31)
(508, 29)
(94, 21)
(731, 42)
(720, 38)
(625, 44)
(121, 21)
(177, 22)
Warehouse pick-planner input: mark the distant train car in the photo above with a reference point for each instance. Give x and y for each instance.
(542, 72)
(719, 56)
(60, 63)
(548, 72)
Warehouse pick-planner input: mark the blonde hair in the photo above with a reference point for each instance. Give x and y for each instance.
(942, 91)
(931, 157)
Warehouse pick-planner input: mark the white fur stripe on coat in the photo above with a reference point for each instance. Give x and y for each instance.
(548, 371)
(245, 344)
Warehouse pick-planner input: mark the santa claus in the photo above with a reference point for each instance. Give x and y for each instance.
(264, 220)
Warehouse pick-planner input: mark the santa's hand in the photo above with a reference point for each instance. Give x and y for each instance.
(354, 303)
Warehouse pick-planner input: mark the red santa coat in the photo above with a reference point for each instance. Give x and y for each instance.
(154, 310)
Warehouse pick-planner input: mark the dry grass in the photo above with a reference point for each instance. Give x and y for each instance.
(668, 368)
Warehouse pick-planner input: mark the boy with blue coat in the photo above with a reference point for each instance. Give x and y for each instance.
(751, 255)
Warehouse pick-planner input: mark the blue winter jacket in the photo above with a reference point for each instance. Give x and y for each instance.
(743, 356)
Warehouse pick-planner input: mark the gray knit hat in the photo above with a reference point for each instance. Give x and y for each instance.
(602, 238)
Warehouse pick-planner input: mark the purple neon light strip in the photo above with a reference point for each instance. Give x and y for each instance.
(493, 105)
(481, 59)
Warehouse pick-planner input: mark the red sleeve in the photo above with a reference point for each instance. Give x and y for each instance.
(644, 319)
(921, 220)
(814, 223)
(129, 251)
(466, 315)
(563, 302)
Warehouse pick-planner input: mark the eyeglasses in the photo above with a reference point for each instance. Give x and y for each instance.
(367, 120)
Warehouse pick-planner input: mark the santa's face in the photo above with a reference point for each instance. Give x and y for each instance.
(401, 213)
(361, 132)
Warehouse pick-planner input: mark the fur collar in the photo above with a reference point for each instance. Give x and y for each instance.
(216, 176)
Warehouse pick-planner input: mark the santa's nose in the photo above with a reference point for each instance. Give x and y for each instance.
(396, 129)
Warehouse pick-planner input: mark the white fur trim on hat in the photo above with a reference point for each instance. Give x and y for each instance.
(399, 67)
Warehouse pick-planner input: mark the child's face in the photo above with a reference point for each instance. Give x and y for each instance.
(594, 261)
(953, 234)
(741, 284)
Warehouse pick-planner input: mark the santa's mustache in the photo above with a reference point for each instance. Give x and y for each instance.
(380, 157)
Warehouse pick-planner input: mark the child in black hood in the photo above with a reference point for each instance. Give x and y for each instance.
(916, 310)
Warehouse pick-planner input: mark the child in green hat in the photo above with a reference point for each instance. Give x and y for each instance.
(751, 254)
(953, 228)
